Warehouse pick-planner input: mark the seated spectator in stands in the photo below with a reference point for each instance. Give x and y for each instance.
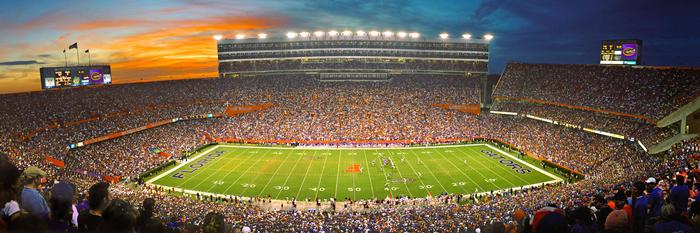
(98, 199)
(672, 222)
(32, 201)
(61, 202)
(119, 217)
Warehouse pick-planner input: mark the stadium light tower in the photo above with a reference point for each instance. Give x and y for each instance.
(401, 34)
(444, 35)
(373, 33)
(240, 36)
(360, 33)
(346, 33)
(318, 33)
(262, 36)
(291, 35)
(218, 37)
(304, 34)
(332, 33)
(388, 33)
(488, 37)
(414, 35)
(466, 36)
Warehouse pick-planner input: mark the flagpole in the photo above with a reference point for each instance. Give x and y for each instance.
(89, 62)
(77, 53)
(65, 57)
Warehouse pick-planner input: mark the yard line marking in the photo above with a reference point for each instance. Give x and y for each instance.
(464, 174)
(243, 174)
(275, 174)
(370, 174)
(181, 165)
(208, 173)
(430, 171)
(321, 176)
(449, 174)
(214, 173)
(305, 174)
(290, 175)
(354, 186)
(337, 176)
(404, 183)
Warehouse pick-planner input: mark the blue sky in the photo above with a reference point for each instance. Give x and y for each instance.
(156, 40)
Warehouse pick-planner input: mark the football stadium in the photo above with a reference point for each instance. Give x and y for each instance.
(352, 130)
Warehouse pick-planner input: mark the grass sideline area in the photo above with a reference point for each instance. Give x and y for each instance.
(284, 173)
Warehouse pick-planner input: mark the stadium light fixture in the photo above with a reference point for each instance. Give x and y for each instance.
(304, 34)
(402, 34)
(414, 35)
(488, 37)
(262, 35)
(240, 36)
(467, 36)
(388, 33)
(346, 33)
(332, 33)
(291, 35)
(444, 35)
(318, 33)
(360, 33)
(373, 33)
(218, 37)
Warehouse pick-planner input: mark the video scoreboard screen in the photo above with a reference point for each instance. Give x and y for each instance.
(621, 52)
(58, 77)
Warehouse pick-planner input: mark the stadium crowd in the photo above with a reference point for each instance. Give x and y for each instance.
(650, 92)
(72, 198)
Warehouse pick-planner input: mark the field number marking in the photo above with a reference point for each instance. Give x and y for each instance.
(455, 184)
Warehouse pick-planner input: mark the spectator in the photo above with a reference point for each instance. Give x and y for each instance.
(98, 199)
(32, 200)
(61, 202)
(679, 195)
(119, 217)
(672, 222)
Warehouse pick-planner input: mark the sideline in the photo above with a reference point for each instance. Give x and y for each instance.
(349, 148)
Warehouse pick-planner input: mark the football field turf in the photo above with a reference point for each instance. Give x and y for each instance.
(286, 172)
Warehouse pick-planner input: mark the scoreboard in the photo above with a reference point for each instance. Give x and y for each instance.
(621, 52)
(58, 77)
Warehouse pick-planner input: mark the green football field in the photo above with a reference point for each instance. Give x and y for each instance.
(286, 172)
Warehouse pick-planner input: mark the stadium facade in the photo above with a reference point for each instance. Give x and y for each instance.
(357, 56)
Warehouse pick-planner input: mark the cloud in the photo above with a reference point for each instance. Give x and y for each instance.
(106, 24)
(486, 8)
(19, 63)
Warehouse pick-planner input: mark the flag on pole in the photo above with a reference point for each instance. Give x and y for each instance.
(87, 51)
(73, 46)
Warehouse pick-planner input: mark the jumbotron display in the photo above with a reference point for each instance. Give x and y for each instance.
(356, 56)
(621, 52)
(61, 77)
